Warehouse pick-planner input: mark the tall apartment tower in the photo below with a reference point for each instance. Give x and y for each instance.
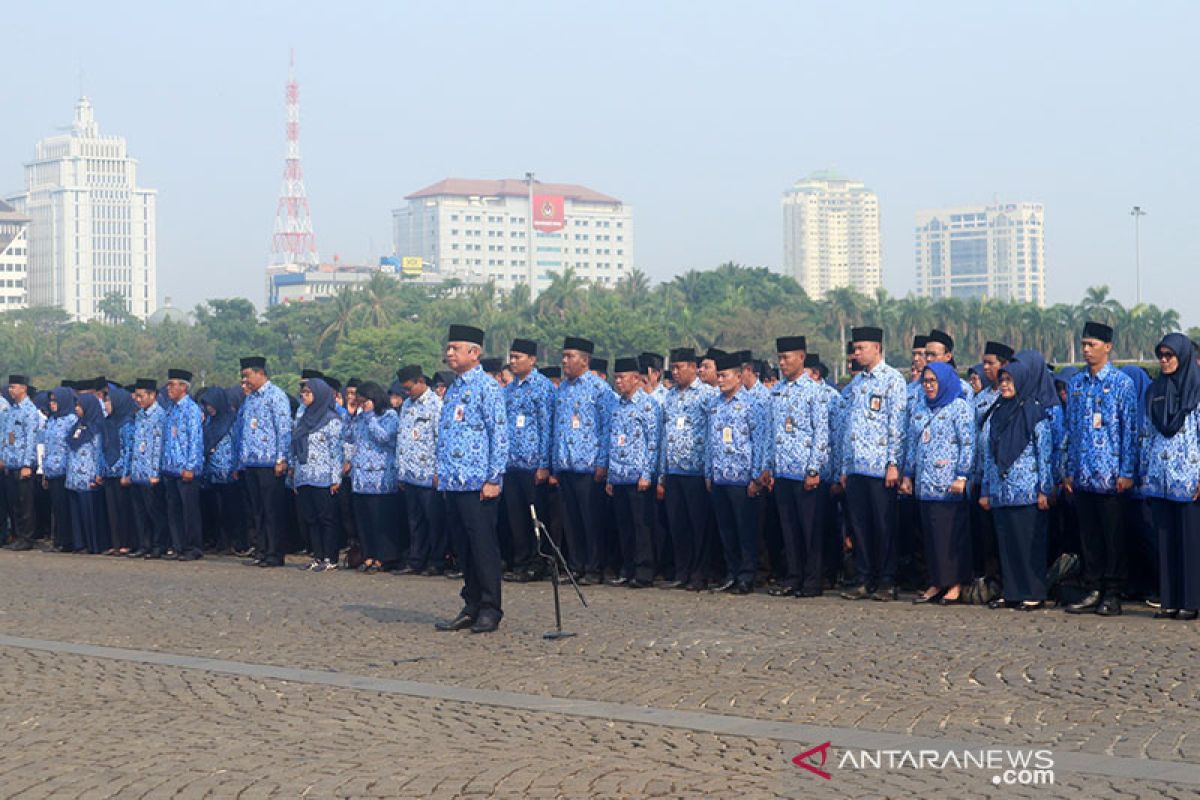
(831, 235)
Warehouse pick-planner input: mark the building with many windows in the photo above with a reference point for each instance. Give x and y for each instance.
(994, 251)
(14, 257)
(91, 226)
(481, 230)
(831, 235)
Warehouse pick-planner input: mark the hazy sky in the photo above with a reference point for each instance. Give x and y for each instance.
(697, 114)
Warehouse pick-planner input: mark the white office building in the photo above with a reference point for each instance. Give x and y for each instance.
(479, 230)
(831, 235)
(92, 227)
(993, 251)
(14, 258)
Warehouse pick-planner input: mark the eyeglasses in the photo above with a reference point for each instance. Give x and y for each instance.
(1166, 355)
(929, 381)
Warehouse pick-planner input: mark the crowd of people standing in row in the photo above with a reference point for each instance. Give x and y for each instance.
(703, 475)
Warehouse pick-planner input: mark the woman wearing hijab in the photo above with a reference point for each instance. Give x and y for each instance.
(1142, 544)
(219, 447)
(53, 437)
(1171, 475)
(938, 455)
(976, 378)
(118, 446)
(85, 475)
(373, 478)
(1018, 478)
(316, 460)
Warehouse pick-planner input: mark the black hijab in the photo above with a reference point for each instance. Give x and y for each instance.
(1014, 420)
(218, 425)
(315, 417)
(65, 398)
(123, 412)
(90, 425)
(1172, 397)
(374, 392)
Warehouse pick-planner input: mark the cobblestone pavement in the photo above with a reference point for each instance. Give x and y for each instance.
(79, 726)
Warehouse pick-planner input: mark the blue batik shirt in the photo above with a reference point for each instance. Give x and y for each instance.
(874, 418)
(416, 441)
(1171, 465)
(53, 437)
(86, 465)
(633, 439)
(373, 462)
(472, 445)
(831, 404)
(582, 410)
(685, 429)
(1101, 430)
(264, 428)
(183, 448)
(939, 449)
(660, 395)
(1058, 442)
(121, 468)
(324, 465)
(21, 425)
(737, 441)
(798, 419)
(1030, 475)
(528, 404)
(145, 459)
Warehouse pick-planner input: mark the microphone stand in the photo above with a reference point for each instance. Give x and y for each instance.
(555, 558)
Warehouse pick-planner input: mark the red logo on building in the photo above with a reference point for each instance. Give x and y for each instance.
(802, 760)
(548, 213)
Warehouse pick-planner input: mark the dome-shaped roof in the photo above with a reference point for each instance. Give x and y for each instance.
(167, 312)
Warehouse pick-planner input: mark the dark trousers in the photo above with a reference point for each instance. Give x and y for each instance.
(910, 543)
(1022, 540)
(634, 512)
(183, 516)
(1178, 528)
(984, 552)
(737, 524)
(770, 537)
(426, 527)
(520, 492)
(18, 496)
(61, 532)
(150, 511)
(947, 541)
(688, 513)
(265, 491)
(802, 516)
(872, 510)
(88, 522)
(376, 521)
(1141, 543)
(118, 507)
(581, 505)
(230, 516)
(479, 559)
(1102, 537)
(317, 505)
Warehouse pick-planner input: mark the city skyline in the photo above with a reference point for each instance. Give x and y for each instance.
(1110, 134)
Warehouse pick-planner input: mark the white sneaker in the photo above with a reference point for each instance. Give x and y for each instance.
(328, 566)
(313, 566)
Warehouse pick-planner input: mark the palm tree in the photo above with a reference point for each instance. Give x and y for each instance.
(374, 299)
(564, 293)
(634, 288)
(344, 307)
(842, 308)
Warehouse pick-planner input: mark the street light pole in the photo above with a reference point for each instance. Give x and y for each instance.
(529, 240)
(1137, 213)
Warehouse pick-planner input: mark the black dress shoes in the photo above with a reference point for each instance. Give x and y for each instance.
(1110, 606)
(1087, 605)
(1188, 615)
(672, 585)
(135, 554)
(725, 586)
(857, 593)
(998, 602)
(810, 593)
(743, 588)
(617, 581)
(780, 590)
(1167, 613)
(885, 595)
(638, 583)
(486, 623)
(461, 622)
(926, 598)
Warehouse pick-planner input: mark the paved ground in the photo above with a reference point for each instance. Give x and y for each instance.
(82, 723)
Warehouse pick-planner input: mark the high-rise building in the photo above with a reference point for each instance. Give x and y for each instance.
(994, 251)
(14, 258)
(831, 235)
(479, 230)
(91, 229)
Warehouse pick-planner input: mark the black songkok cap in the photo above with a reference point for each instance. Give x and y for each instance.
(332, 382)
(745, 356)
(552, 372)
(354, 383)
(69, 384)
(179, 375)
(305, 374)
(465, 333)
(683, 354)
(149, 384)
(919, 342)
(715, 352)
(787, 344)
(653, 360)
(598, 365)
(580, 344)
(866, 334)
(526, 346)
(254, 362)
(411, 372)
(850, 348)
(445, 377)
(812, 360)
(941, 337)
(1097, 330)
(626, 364)
(99, 384)
(21, 379)
(727, 361)
(491, 364)
(999, 350)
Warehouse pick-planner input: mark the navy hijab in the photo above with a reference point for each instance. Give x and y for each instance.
(1141, 385)
(1172, 397)
(216, 427)
(65, 398)
(91, 425)
(949, 386)
(1014, 420)
(123, 412)
(316, 416)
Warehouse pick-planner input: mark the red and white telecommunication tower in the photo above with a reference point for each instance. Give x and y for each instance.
(294, 241)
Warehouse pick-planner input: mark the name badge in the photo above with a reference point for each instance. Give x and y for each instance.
(12, 438)
(620, 440)
(575, 424)
(416, 434)
(789, 426)
(520, 420)
(253, 424)
(727, 435)
(460, 413)
(174, 430)
(1097, 420)
(680, 422)
(926, 436)
(876, 402)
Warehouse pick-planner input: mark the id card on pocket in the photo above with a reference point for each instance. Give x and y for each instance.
(1097, 420)
(727, 435)
(460, 413)
(520, 420)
